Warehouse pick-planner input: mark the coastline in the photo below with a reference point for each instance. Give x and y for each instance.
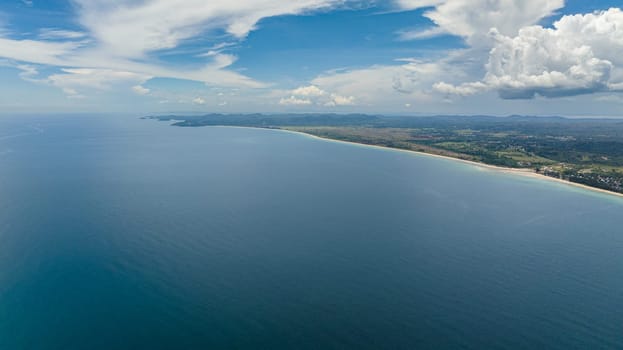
(516, 171)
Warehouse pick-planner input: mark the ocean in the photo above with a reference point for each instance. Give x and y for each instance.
(122, 233)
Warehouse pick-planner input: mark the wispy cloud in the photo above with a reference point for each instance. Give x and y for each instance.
(119, 45)
(474, 18)
(419, 34)
(123, 36)
(164, 24)
(53, 33)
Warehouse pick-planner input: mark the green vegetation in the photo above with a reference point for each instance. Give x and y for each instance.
(586, 151)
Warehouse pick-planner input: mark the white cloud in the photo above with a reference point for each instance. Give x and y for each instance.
(52, 33)
(376, 85)
(73, 94)
(313, 95)
(610, 99)
(416, 4)
(338, 100)
(294, 101)
(122, 40)
(28, 72)
(418, 34)
(465, 89)
(310, 90)
(34, 51)
(217, 49)
(122, 35)
(163, 24)
(472, 18)
(199, 101)
(140, 90)
(71, 54)
(581, 54)
(423, 80)
(71, 81)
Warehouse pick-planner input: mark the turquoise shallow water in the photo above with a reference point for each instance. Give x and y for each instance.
(119, 233)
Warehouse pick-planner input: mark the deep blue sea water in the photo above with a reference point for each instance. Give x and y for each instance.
(120, 233)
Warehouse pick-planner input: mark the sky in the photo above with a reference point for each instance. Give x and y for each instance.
(419, 57)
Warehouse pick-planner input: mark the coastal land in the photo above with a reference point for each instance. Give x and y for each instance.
(587, 153)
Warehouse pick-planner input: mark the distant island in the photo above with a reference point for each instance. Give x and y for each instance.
(582, 151)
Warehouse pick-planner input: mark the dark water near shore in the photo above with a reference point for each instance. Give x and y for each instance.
(118, 233)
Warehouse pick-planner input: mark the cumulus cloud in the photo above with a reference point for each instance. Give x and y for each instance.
(140, 90)
(199, 101)
(465, 89)
(310, 90)
(506, 52)
(581, 54)
(294, 101)
(313, 95)
(398, 84)
(423, 80)
(338, 100)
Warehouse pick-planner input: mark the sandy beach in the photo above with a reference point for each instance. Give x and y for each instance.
(523, 172)
(516, 171)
